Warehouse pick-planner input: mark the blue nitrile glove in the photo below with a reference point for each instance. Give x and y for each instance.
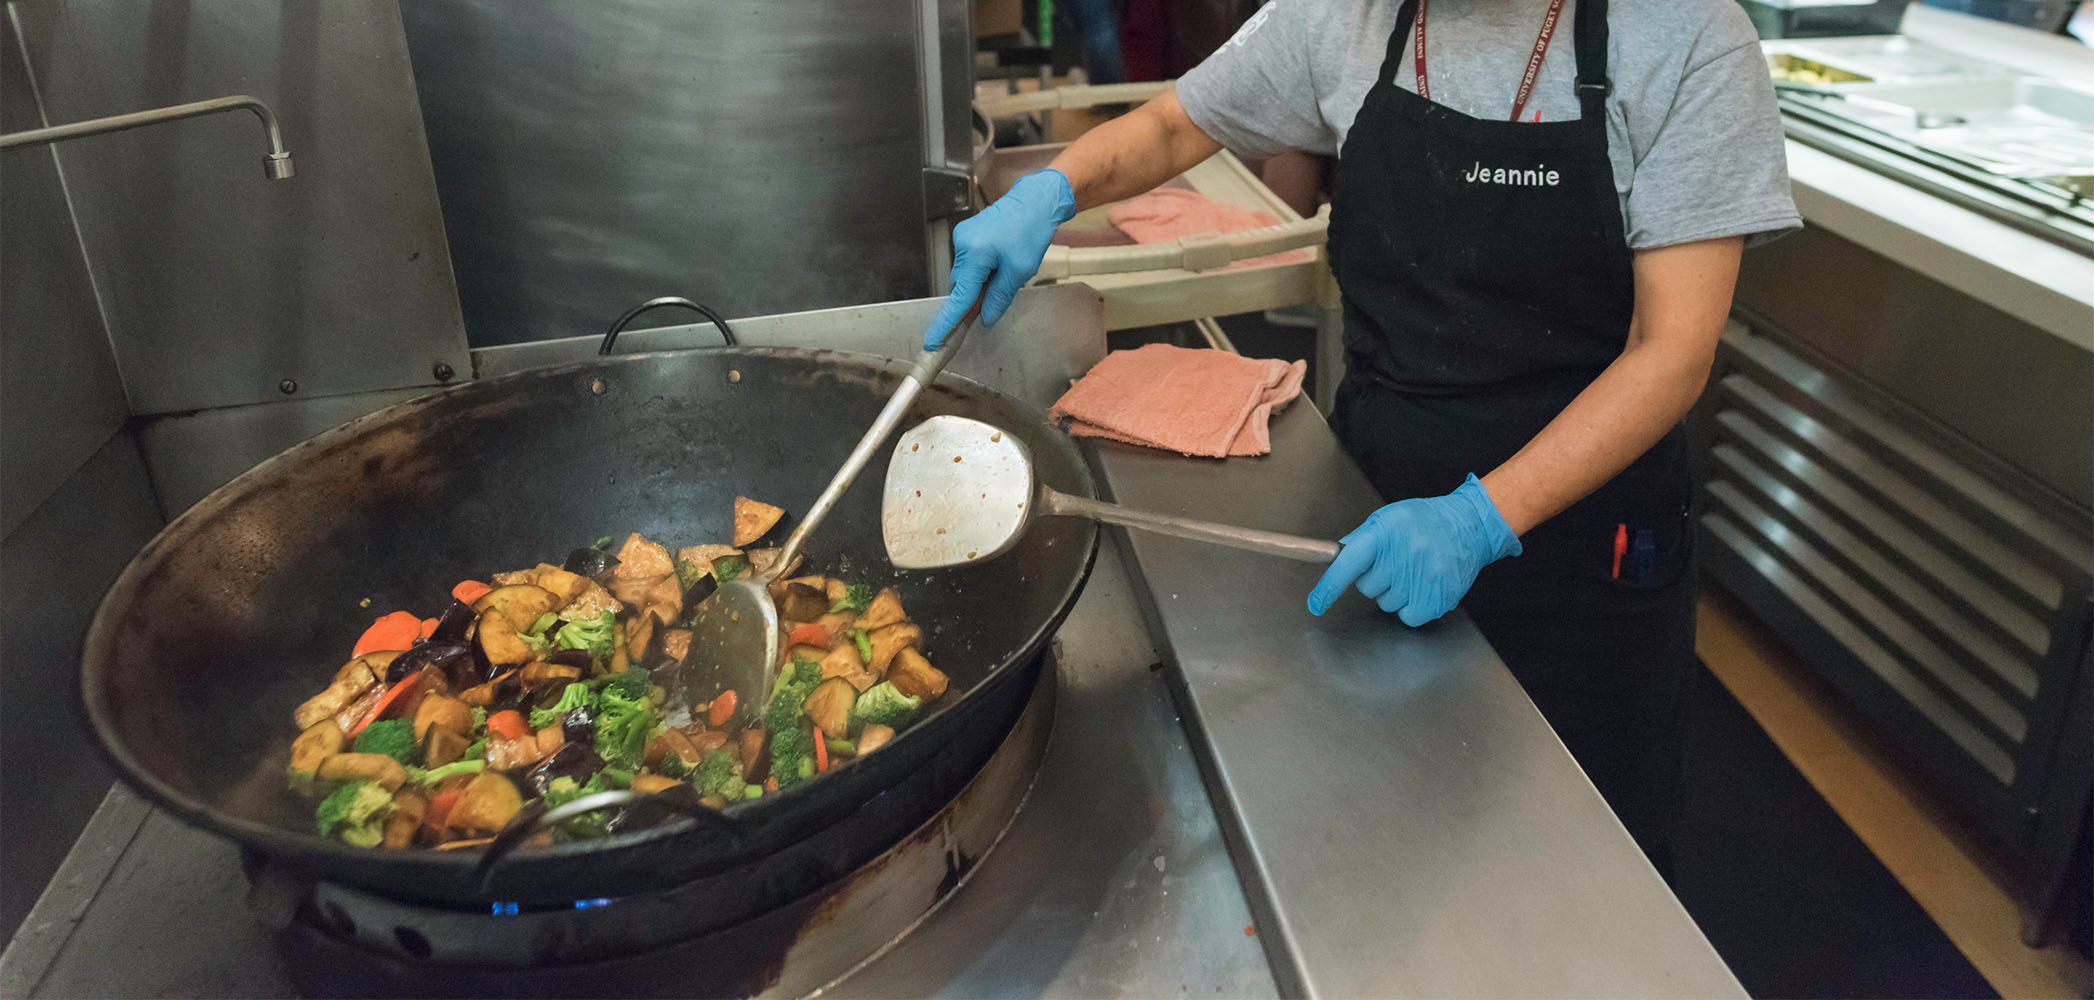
(1418, 557)
(1002, 245)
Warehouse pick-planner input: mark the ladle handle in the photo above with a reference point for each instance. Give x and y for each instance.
(883, 427)
(1272, 543)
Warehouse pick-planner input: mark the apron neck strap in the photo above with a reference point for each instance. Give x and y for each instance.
(1589, 27)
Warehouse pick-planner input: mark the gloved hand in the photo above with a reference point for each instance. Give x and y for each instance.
(1002, 246)
(1418, 557)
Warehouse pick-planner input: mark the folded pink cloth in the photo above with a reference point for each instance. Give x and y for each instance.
(1168, 213)
(1195, 402)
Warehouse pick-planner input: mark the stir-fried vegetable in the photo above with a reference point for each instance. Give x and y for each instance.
(354, 814)
(537, 687)
(391, 737)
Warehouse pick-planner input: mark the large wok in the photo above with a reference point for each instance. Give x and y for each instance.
(247, 603)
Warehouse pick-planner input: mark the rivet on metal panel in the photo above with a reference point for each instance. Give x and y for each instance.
(442, 371)
(288, 386)
(596, 385)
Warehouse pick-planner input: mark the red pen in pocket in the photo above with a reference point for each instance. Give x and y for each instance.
(1621, 546)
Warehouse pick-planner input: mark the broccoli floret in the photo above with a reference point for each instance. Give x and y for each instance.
(576, 695)
(633, 684)
(391, 737)
(856, 597)
(672, 766)
(543, 622)
(479, 721)
(624, 722)
(587, 826)
(884, 705)
(792, 750)
(597, 635)
(727, 569)
(865, 644)
(432, 775)
(718, 775)
(355, 814)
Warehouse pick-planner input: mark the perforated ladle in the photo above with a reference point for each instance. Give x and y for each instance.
(960, 491)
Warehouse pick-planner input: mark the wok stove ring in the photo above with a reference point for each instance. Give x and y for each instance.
(342, 941)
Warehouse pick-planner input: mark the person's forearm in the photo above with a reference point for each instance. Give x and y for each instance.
(1682, 298)
(1134, 152)
(1617, 418)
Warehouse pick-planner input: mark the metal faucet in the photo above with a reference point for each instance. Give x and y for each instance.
(276, 166)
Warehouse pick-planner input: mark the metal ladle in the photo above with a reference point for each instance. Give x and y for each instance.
(735, 636)
(960, 491)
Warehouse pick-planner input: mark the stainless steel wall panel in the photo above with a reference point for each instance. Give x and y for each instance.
(760, 157)
(219, 285)
(61, 398)
(191, 454)
(56, 565)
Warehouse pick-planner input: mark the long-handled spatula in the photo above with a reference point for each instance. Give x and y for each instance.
(734, 633)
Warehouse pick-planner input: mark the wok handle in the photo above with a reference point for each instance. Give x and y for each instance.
(1272, 543)
(883, 427)
(536, 817)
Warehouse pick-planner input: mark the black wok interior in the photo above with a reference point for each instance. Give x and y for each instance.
(247, 604)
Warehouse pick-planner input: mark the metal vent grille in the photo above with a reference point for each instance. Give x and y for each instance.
(1933, 596)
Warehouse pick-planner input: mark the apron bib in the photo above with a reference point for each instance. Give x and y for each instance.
(1487, 281)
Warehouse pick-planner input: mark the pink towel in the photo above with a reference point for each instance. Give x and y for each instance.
(1195, 402)
(1167, 214)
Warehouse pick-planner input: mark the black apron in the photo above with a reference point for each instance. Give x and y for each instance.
(1486, 282)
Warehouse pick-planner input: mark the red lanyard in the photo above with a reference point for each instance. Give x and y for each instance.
(1541, 48)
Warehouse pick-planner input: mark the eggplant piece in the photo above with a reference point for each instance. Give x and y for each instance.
(500, 640)
(550, 676)
(348, 767)
(653, 784)
(579, 725)
(591, 562)
(501, 688)
(888, 641)
(486, 806)
(829, 707)
(574, 759)
(580, 659)
(754, 520)
(801, 603)
(523, 604)
(451, 626)
(312, 748)
(885, 610)
(439, 711)
(453, 659)
(914, 676)
(442, 746)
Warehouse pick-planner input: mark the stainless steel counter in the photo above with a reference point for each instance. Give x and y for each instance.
(1384, 812)
(1405, 821)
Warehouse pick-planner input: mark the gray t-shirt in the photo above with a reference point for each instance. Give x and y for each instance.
(1692, 126)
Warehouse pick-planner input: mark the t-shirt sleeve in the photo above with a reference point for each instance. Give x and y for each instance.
(1255, 94)
(1717, 165)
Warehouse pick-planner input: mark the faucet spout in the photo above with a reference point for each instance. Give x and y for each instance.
(276, 165)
